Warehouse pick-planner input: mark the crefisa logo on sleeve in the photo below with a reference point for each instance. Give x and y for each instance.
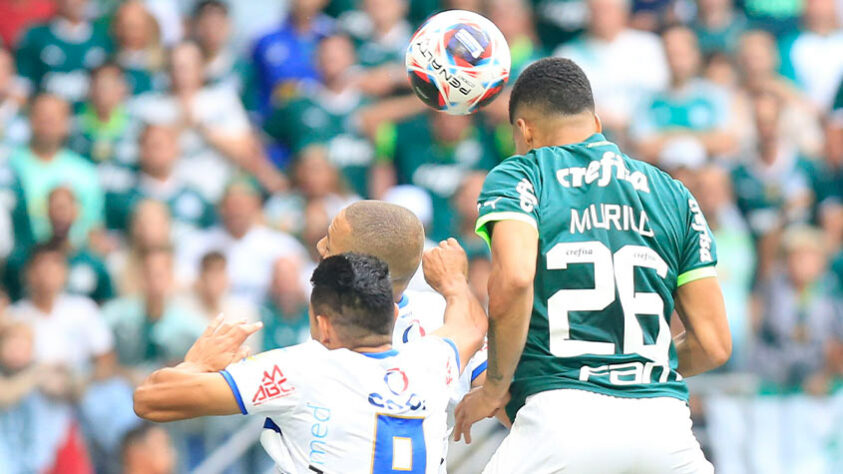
(395, 398)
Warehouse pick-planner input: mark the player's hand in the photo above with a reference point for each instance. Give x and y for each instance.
(446, 267)
(220, 345)
(475, 406)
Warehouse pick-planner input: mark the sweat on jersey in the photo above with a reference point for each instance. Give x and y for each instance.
(616, 238)
(340, 411)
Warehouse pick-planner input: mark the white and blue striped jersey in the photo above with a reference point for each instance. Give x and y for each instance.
(340, 411)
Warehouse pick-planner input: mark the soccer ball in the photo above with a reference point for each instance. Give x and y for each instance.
(457, 62)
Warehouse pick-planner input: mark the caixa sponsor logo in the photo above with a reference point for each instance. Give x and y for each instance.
(395, 398)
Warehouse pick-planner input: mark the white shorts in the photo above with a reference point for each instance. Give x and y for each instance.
(575, 431)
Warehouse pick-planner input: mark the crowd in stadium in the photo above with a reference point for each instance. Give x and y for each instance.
(162, 162)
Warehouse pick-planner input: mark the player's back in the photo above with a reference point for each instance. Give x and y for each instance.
(340, 411)
(616, 238)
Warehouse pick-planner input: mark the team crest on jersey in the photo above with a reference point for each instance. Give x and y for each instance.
(274, 384)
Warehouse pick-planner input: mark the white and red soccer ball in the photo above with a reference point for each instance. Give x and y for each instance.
(458, 62)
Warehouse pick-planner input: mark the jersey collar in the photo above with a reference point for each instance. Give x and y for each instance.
(403, 302)
(380, 355)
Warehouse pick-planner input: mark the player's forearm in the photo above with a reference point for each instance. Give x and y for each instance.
(510, 304)
(176, 393)
(693, 358)
(466, 317)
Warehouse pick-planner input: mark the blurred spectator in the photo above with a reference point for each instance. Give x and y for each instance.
(314, 178)
(13, 129)
(465, 207)
(799, 317)
(513, 18)
(284, 312)
(69, 330)
(479, 269)
(249, 246)
(25, 446)
(150, 228)
(253, 19)
(159, 152)
(215, 133)
(148, 449)
(736, 256)
(814, 56)
(779, 17)
(102, 131)
(325, 114)
(691, 108)
(87, 274)
(381, 32)
(434, 152)
(18, 15)
(54, 56)
(211, 296)
(287, 54)
(45, 164)
(15, 229)
(800, 323)
(139, 49)
(772, 187)
(718, 25)
(152, 328)
(211, 28)
(611, 54)
(758, 63)
(316, 222)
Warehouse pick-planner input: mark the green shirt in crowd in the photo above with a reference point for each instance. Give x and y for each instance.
(281, 329)
(56, 57)
(439, 168)
(322, 118)
(87, 275)
(39, 177)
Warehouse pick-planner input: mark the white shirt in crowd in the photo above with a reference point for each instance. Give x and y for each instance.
(72, 334)
(249, 259)
(216, 108)
(338, 411)
(614, 68)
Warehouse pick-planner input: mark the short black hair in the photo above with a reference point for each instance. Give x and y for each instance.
(211, 258)
(354, 290)
(554, 85)
(210, 5)
(41, 249)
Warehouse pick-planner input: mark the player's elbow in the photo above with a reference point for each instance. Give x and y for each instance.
(147, 402)
(720, 352)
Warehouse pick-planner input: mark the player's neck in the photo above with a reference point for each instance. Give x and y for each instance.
(566, 135)
(373, 349)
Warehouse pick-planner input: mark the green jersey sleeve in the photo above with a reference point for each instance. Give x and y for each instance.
(510, 192)
(698, 254)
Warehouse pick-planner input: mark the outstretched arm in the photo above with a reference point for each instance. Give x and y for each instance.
(445, 269)
(195, 387)
(514, 253)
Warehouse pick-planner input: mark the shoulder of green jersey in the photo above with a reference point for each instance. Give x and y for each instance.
(483, 232)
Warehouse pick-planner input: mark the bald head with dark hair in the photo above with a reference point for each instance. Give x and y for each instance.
(387, 231)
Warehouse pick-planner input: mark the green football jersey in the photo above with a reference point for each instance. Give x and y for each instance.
(57, 60)
(616, 238)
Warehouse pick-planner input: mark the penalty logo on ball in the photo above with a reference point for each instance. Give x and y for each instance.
(457, 62)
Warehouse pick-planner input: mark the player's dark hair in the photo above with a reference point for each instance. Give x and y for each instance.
(355, 292)
(553, 85)
(210, 259)
(210, 5)
(41, 250)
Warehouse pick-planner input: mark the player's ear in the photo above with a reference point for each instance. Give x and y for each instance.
(322, 328)
(598, 123)
(396, 311)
